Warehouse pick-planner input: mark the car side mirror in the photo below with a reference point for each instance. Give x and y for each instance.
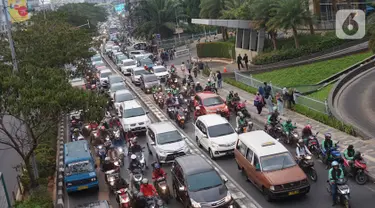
(205, 136)
(181, 188)
(152, 143)
(225, 179)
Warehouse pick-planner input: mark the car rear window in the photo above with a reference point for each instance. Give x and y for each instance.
(212, 101)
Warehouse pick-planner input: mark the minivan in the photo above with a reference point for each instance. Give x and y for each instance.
(135, 74)
(148, 81)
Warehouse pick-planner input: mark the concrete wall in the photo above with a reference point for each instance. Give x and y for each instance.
(250, 42)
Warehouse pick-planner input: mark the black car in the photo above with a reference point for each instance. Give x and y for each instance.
(197, 183)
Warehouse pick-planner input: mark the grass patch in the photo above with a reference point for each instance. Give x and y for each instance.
(320, 117)
(311, 73)
(322, 94)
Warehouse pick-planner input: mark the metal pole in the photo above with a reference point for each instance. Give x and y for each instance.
(35, 166)
(10, 39)
(3, 182)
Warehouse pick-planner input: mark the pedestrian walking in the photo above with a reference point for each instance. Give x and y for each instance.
(188, 66)
(258, 102)
(183, 68)
(239, 62)
(246, 60)
(291, 98)
(219, 79)
(285, 97)
(268, 97)
(261, 92)
(280, 104)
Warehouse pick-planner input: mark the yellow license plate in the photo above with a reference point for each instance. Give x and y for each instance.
(293, 193)
(82, 188)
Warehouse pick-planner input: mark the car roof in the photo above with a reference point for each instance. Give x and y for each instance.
(262, 143)
(148, 75)
(193, 164)
(204, 95)
(158, 67)
(105, 71)
(73, 151)
(162, 127)
(132, 104)
(118, 84)
(212, 119)
(123, 91)
(114, 76)
(127, 60)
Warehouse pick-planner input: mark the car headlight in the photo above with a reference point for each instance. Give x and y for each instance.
(214, 145)
(164, 188)
(93, 179)
(195, 204)
(228, 197)
(69, 184)
(272, 188)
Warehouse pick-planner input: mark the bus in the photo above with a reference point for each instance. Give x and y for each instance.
(79, 167)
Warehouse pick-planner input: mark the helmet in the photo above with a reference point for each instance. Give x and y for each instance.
(172, 65)
(133, 157)
(102, 127)
(75, 130)
(197, 108)
(334, 163)
(308, 126)
(107, 159)
(300, 141)
(145, 181)
(327, 135)
(157, 166)
(240, 114)
(351, 147)
(289, 120)
(197, 83)
(208, 80)
(275, 108)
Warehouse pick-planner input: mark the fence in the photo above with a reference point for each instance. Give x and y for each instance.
(308, 102)
(183, 40)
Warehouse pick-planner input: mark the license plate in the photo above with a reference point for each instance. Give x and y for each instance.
(293, 193)
(82, 188)
(230, 152)
(182, 121)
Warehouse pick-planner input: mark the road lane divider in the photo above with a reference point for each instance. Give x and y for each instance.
(59, 181)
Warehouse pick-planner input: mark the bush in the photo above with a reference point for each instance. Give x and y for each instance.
(309, 44)
(216, 50)
(46, 160)
(38, 199)
(323, 118)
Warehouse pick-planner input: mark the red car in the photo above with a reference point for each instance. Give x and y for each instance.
(210, 103)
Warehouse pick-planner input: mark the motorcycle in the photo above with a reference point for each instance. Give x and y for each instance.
(101, 153)
(137, 178)
(241, 107)
(275, 131)
(171, 111)
(186, 108)
(180, 119)
(223, 114)
(111, 177)
(141, 159)
(154, 202)
(313, 145)
(335, 155)
(210, 89)
(77, 137)
(358, 170)
(121, 155)
(123, 198)
(160, 101)
(291, 137)
(163, 189)
(343, 192)
(246, 127)
(307, 165)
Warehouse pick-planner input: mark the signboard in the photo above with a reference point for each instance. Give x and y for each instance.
(4, 198)
(18, 10)
(179, 31)
(120, 7)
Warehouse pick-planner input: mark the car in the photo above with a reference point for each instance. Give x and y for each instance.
(108, 47)
(98, 63)
(114, 78)
(165, 142)
(99, 68)
(127, 65)
(137, 52)
(116, 87)
(210, 103)
(103, 77)
(269, 166)
(161, 72)
(115, 48)
(96, 58)
(78, 82)
(145, 61)
(196, 183)
(135, 74)
(134, 118)
(112, 55)
(148, 81)
(120, 97)
(215, 134)
(140, 46)
(119, 58)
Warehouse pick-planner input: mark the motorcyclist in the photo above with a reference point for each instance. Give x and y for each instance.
(170, 100)
(229, 98)
(140, 200)
(190, 79)
(197, 112)
(198, 87)
(301, 150)
(327, 145)
(273, 118)
(75, 133)
(103, 132)
(121, 184)
(134, 164)
(240, 120)
(236, 98)
(108, 165)
(334, 174)
(250, 126)
(288, 126)
(158, 172)
(135, 147)
(306, 132)
(114, 121)
(147, 189)
(209, 85)
(349, 155)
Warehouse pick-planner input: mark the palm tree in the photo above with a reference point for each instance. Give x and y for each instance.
(232, 9)
(158, 16)
(289, 14)
(191, 8)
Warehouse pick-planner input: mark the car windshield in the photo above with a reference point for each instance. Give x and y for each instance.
(134, 112)
(139, 72)
(105, 74)
(116, 79)
(204, 181)
(212, 101)
(129, 63)
(96, 58)
(122, 97)
(79, 167)
(159, 70)
(146, 61)
(121, 57)
(151, 78)
(117, 87)
(277, 162)
(220, 130)
(169, 137)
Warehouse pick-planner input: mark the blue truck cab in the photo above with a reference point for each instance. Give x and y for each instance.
(79, 167)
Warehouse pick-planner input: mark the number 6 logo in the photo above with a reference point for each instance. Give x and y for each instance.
(350, 24)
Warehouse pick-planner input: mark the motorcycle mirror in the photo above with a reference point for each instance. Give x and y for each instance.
(152, 143)
(147, 112)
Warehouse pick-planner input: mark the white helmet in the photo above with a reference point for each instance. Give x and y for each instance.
(197, 108)
(197, 82)
(208, 80)
(145, 181)
(107, 158)
(133, 157)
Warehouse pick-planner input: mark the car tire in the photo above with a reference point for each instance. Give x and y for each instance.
(198, 143)
(212, 156)
(175, 193)
(148, 148)
(266, 194)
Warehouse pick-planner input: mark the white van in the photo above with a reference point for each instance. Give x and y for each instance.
(127, 65)
(136, 73)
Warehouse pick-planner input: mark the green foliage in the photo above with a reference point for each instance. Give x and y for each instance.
(309, 44)
(370, 27)
(320, 117)
(322, 94)
(216, 49)
(310, 73)
(38, 199)
(77, 14)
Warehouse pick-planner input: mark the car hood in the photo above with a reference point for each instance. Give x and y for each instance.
(133, 120)
(137, 77)
(213, 109)
(284, 176)
(160, 74)
(210, 195)
(80, 176)
(151, 84)
(173, 147)
(227, 139)
(103, 79)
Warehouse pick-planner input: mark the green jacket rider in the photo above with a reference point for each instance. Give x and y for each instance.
(335, 172)
(327, 142)
(288, 126)
(229, 97)
(349, 153)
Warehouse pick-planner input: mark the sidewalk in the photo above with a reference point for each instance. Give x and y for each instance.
(365, 147)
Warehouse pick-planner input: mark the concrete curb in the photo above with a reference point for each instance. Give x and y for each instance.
(59, 203)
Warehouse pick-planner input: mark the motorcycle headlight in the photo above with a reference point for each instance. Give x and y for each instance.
(112, 183)
(116, 163)
(195, 204)
(117, 134)
(185, 100)
(164, 188)
(111, 179)
(228, 197)
(308, 157)
(100, 147)
(295, 135)
(120, 149)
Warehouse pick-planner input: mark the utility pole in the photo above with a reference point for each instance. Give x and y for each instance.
(10, 38)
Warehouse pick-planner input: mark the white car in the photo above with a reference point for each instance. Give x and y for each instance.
(120, 97)
(134, 118)
(103, 76)
(116, 87)
(115, 48)
(127, 65)
(114, 78)
(136, 73)
(161, 72)
(98, 63)
(215, 134)
(165, 142)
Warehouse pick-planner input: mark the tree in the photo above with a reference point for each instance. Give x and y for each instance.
(213, 9)
(191, 8)
(32, 101)
(233, 9)
(50, 42)
(158, 17)
(289, 14)
(370, 27)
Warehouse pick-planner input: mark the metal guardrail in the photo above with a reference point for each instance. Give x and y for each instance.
(308, 102)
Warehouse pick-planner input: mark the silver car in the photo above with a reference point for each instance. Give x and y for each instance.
(165, 142)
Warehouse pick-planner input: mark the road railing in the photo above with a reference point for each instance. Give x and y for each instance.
(59, 177)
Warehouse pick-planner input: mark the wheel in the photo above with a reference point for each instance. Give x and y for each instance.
(175, 193)
(211, 154)
(198, 143)
(148, 148)
(346, 204)
(313, 175)
(267, 194)
(361, 178)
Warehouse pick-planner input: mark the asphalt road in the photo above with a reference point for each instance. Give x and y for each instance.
(355, 103)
